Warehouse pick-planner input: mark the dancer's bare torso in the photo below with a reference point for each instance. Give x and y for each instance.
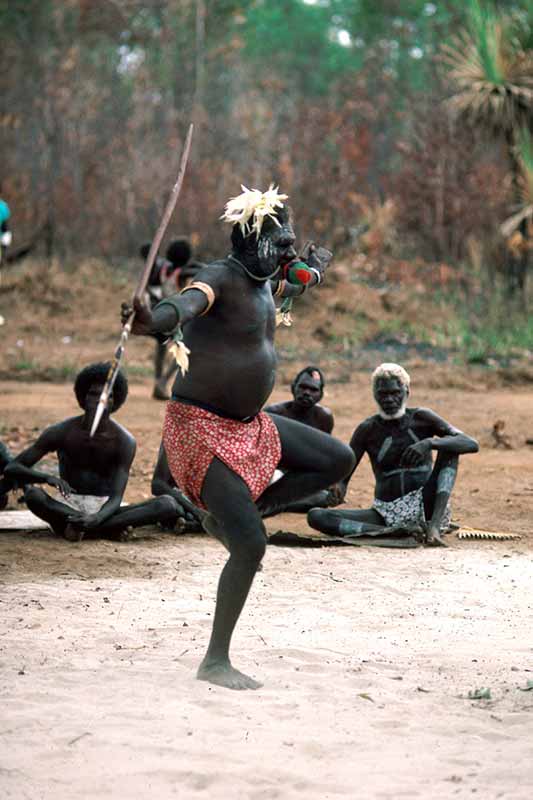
(232, 363)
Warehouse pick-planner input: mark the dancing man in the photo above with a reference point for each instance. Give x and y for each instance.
(221, 449)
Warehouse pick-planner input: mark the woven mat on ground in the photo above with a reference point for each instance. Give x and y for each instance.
(21, 521)
(314, 539)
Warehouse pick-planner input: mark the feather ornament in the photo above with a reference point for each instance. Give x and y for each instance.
(179, 350)
(250, 208)
(283, 313)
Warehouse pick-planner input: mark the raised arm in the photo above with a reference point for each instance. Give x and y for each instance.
(20, 472)
(442, 437)
(194, 301)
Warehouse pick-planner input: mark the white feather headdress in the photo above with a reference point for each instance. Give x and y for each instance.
(250, 209)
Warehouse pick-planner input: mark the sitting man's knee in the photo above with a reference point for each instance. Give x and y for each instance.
(317, 518)
(446, 460)
(343, 460)
(167, 505)
(33, 494)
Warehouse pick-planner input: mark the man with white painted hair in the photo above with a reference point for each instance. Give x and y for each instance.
(411, 492)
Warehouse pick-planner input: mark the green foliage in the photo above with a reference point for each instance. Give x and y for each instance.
(28, 369)
(487, 330)
(485, 25)
(525, 150)
(297, 42)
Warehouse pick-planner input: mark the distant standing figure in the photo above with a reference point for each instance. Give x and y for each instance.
(5, 231)
(168, 275)
(410, 492)
(93, 471)
(5, 458)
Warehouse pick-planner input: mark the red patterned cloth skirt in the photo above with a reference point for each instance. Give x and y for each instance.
(193, 437)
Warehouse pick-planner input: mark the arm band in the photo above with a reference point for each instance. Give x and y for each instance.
(169, 301)
(206, 289)
(318, 275)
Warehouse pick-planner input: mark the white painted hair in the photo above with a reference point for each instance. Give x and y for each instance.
(389, 371)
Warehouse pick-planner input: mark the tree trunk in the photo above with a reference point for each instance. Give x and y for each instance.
(517, 263)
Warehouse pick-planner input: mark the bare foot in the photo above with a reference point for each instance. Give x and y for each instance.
(434, 538)
(126, 534)
(223, 674)
(73, 534)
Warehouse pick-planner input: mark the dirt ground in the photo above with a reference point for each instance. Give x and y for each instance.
(367, 655)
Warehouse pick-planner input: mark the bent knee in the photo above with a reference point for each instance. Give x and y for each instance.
(256, 548)
(35, 495)
(343, 462)
(166, 505)
(446, 459)
(251, 547)
(316, 518)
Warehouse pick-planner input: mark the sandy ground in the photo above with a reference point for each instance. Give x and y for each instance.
(367, 655)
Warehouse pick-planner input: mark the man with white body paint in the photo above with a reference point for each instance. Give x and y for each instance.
(411, 492)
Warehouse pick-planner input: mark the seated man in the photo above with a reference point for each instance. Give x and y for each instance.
(307, 390)
(5, 486)
(93, 471)
(410, 492)
(189, 519)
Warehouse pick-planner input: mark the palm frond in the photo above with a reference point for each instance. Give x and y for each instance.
(492, 72)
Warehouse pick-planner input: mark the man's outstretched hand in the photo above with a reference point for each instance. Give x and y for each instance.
(142, 322)
(318, 258)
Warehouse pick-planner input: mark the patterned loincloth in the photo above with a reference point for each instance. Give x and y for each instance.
(408, 510)
(193, 437)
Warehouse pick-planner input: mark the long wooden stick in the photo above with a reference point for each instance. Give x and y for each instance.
(173, 199)
(141, 286)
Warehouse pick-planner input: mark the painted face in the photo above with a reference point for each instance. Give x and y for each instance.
(307, 391)
(274, 248)
(391, 397)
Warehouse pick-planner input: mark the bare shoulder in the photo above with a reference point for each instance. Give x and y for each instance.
(325, 416)
(124, 438)
(216, 274)
(369, 423)
(364, 428)
(277, 408)
(429, 417)
(56, 433)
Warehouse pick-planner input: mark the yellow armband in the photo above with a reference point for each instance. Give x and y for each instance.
(206, 289)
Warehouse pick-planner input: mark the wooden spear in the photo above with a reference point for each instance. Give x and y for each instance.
(141, 286)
